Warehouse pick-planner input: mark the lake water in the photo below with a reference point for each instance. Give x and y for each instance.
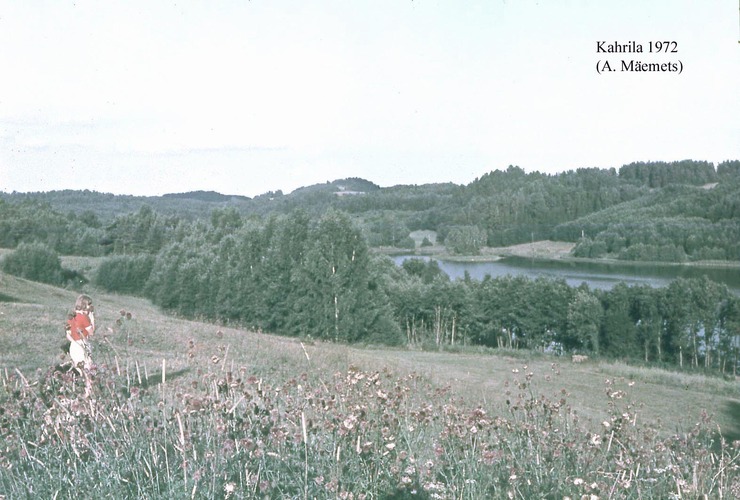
(595, 275)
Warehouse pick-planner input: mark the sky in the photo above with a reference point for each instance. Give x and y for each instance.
(241, 97)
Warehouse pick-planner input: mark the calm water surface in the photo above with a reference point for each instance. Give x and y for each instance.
(595, 275)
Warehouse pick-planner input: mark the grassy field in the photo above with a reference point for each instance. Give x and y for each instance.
(187, 409)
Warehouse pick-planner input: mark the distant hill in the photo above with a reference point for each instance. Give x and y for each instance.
(675, 212)
(208, 196)
(349, 185)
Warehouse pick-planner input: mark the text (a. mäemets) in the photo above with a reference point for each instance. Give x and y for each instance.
(651, 49)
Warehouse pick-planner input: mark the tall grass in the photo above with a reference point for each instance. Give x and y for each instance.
(667, 378)
(220, 432)
(191, 410)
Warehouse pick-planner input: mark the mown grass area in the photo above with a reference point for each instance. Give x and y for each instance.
(187, 409)
(86, 266)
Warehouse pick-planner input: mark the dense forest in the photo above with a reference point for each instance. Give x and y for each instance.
(303, 264)
(655, 211)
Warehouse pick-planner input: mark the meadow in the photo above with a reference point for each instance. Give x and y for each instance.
(188, 409)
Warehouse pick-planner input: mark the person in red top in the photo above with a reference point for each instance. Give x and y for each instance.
(80, 326)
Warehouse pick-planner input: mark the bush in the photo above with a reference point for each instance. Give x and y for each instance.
(36, 262)
(125, 273)
(407, 242)
(465, 240)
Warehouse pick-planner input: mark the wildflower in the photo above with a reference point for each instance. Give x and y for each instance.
(349, 422)
(578, 481)
(229, 489)
(595, 440)
(491, 456)
(366, 447)
(434, 486)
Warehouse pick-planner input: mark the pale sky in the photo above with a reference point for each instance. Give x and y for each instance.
(147, 97)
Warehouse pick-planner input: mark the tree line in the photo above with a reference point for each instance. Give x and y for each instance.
(318, 278)
(675, 212)
(304, 276)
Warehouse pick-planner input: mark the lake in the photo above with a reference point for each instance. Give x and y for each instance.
(595, 275)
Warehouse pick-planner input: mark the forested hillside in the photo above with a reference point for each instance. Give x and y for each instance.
(301, 264)
(658, 211)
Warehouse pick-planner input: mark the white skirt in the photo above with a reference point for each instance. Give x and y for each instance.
(80, 354)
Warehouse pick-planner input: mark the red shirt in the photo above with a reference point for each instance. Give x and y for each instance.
(80, 326)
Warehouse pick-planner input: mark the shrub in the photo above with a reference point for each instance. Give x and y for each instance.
(125, 273)
(36, 262)
(407, 242)
(465, 240)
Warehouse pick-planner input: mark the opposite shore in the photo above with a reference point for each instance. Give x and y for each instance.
(544, 250)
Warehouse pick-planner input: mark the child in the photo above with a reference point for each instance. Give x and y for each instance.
(80, 326)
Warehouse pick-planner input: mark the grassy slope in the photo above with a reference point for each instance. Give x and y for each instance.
(31, 331)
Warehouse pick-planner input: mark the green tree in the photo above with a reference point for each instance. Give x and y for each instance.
(465, 240)
(125, 273)
(36, 262)
(548, 322)
(678, 312)
(505, 311)
(647, 320)
(618, 332)
(285, 254)
(427, 271)
(729, 345)
(335, 296)
(584, 319)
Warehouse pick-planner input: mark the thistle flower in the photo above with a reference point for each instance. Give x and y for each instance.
(229, 489)
(595, 440)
